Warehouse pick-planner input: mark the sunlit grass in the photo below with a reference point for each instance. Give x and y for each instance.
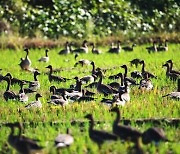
(142, 104)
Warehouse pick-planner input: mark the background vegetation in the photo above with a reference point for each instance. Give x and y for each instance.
(83, 18)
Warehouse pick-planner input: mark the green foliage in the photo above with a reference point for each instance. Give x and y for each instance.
(70, 18)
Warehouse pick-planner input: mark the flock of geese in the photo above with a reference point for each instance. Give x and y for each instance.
(120, 92)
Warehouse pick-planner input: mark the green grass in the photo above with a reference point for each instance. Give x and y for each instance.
(142, 105)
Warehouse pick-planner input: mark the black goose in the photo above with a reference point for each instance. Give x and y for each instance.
(171, 67)
(94, 50)
(66, 50)
(145, 73)
(14, 80)
(8, 94)
(83, 48)
(25, 62)
(152, 48)
(116, 76)
(55, 78)
(64, 140)
(98, 136)
(115, 49)
(170, 75)
(135, 62)
(163, 48)
(102, 88)
(128, 48)
(45, 58)
(124, 132)
(153, 134)
(175, 95)
(22, 144)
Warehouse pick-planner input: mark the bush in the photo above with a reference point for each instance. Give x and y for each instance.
(81, 18)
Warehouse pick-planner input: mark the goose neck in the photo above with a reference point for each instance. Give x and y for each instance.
(143, 67)
(178, 85)
(116, 121)
(8, 84)
(46, 53)
(35, 77)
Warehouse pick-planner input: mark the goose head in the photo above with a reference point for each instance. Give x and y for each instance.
(114, 109)
(52, 89)
(92, 63)
(9, 75)
(49, 66)
(38, 96)
(165, 65)
(123, 66)
(26, 50)
(36, 73)
(169, 61)
(89, 117)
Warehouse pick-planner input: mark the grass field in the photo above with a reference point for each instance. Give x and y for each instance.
(51, 120)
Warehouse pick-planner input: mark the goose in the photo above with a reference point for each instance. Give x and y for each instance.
(59, 91)
(163, 48)
(94, 71)
(75, 95)
(132, 81)
(14, 80)
(146, 84)
(94, 50)
(124, 92)
(102, 88)
(117, 100)
(170, 75)
(55, 94)
(25, 62)
(45, 58)
(88, 79)
(82, 62)
(98, 136)
(128, 48)
(153, 134)
(22, 144)
(115, 49)
(34, 85)
(8, 94)
(116, 84)
(136, 74)
(83, 49)
(66, 50)
(53, 77)
(122, 131)
(135, 62)
(85, 98)
(175, 95)
(116, 76)
(22, 97)
(152, 48)
(36, 103)
(171, 66)
(64, 140)
(59, 101)
(145, 73)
